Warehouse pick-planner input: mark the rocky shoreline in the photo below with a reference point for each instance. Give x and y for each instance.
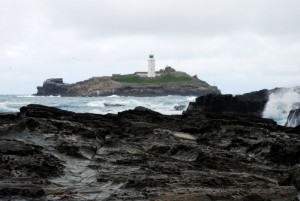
(51, 154)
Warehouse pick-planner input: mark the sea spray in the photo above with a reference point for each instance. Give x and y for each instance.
(293, 118)
(281, 102)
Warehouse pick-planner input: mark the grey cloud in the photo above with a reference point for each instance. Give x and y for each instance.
(175, 17)
(229, 42)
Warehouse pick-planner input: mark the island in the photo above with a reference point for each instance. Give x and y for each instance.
(164, 82)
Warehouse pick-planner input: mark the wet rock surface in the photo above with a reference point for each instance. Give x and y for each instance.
(250, 103)
(293, 119)
(51, 154)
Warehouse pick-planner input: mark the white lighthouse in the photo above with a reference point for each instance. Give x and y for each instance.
(151, 66)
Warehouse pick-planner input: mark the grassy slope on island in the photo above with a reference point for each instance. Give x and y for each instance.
(157, 80)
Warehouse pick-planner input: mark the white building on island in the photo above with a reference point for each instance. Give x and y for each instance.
(151, 69)
(151, 66)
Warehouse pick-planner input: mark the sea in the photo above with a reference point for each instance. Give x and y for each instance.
(277, 108)
(98, 105)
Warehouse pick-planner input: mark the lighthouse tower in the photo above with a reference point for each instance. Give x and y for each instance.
(151, 66)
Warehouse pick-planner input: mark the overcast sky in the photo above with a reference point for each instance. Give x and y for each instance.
(240, 45)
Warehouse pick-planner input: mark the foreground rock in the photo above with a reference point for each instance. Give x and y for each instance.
(293, 119)
(51, 154)
(170, 82)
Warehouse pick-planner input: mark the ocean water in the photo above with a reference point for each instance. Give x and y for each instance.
(99, 105)
(278, 107)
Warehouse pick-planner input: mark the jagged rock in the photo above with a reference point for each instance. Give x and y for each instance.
(53, 86)
(179, 107)
(293, 119)
(285, 154)
(295, 176)
(23, 168)
(250, 103)
(21, 191)
(113, 105)
(167, 70)
(295, 130)
(51, 154)
(41, 111)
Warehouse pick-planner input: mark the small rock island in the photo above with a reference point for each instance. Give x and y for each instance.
(166, 81)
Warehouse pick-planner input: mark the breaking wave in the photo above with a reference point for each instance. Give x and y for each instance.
(281, 102)
(7, 106)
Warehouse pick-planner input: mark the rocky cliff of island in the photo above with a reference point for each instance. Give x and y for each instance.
(168, 82)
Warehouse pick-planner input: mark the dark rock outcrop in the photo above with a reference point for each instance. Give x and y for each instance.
(54, 87)
(167, 70)
(293, 119)
(250, 103)
(51, 154)
(113, 104)
(179, 107)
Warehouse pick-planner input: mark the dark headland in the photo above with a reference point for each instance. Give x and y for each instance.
(168, 82)
(220, 149)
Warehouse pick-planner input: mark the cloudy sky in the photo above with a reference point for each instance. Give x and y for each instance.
(240, 45)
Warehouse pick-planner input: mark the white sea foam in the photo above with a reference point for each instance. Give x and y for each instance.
(7, 107)
(191, 98)
(96, 104)
(114, 96)
(26, 96)
(58, 96)
(281, 103)
(31, 96)
(129, 102)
